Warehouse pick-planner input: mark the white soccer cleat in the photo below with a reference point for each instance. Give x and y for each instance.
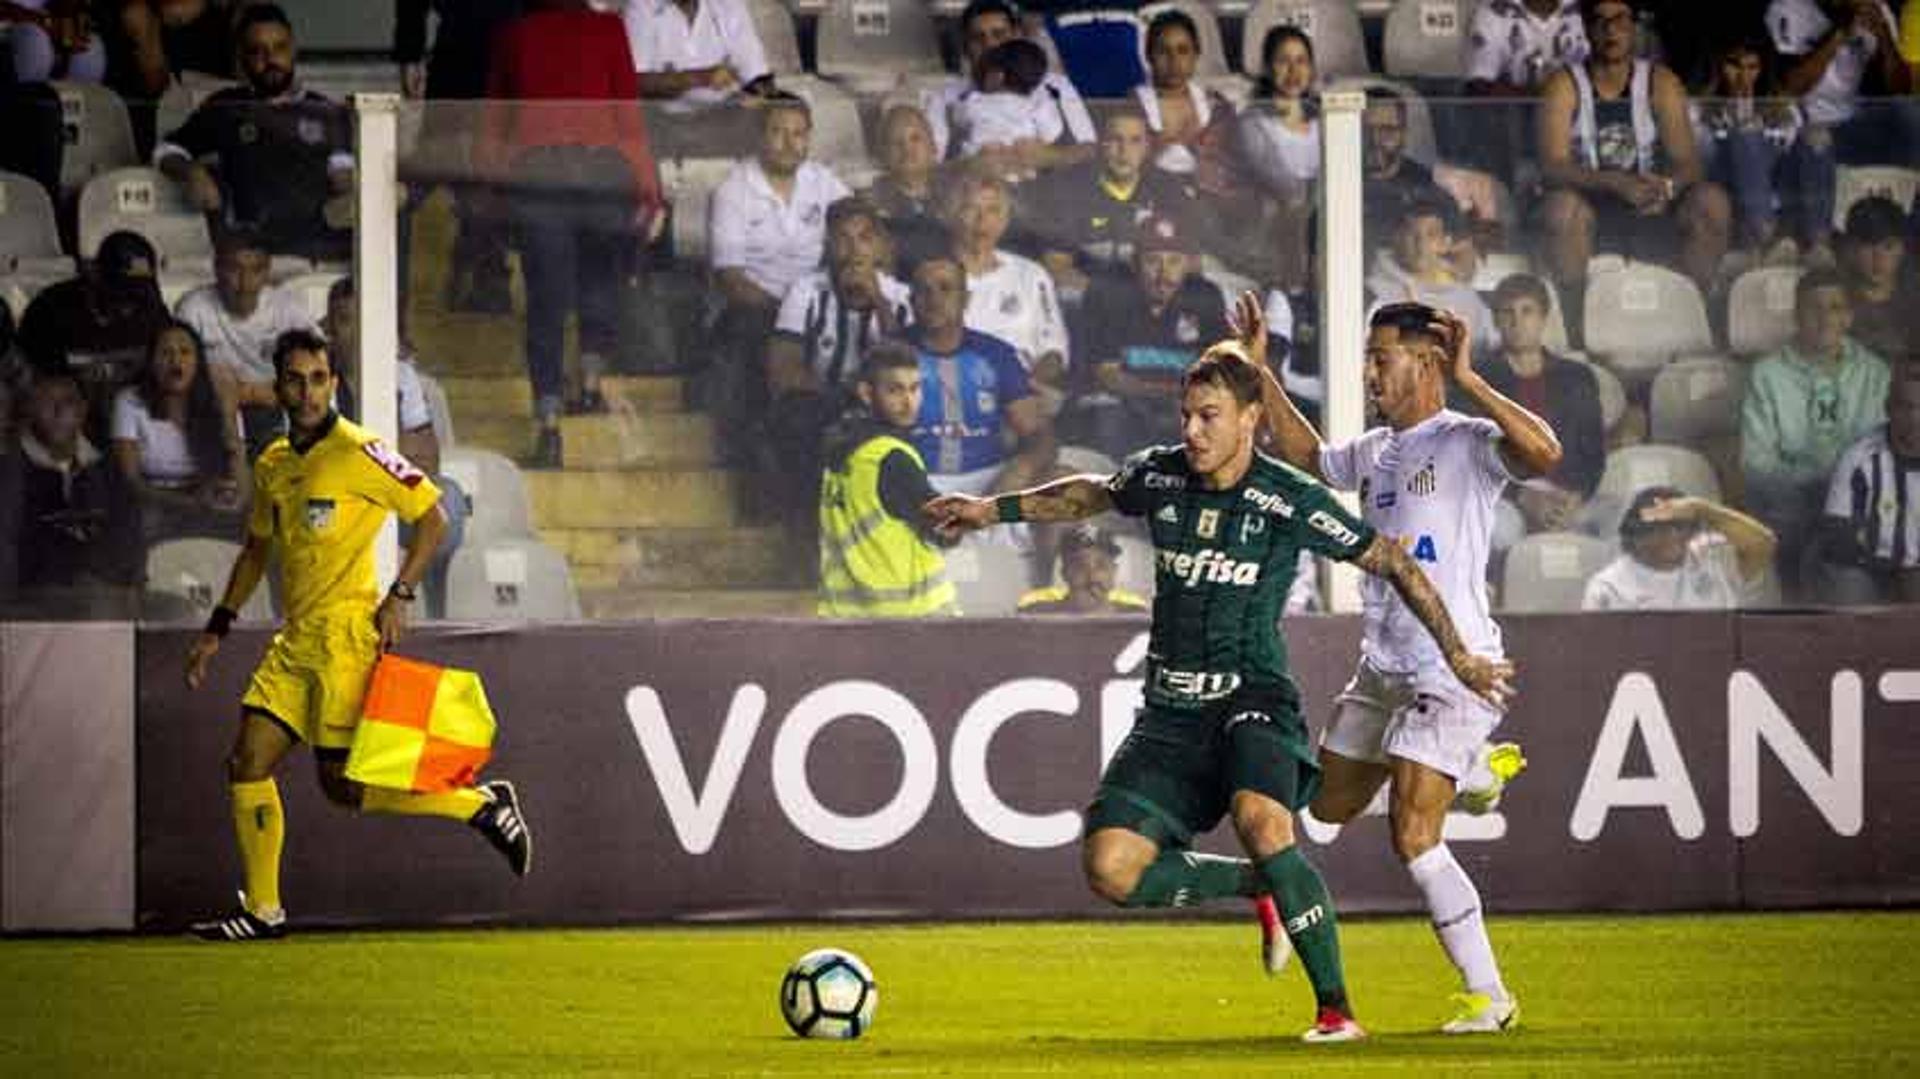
(1478, 1013)
(1480, 790)
(1275, 948)
(1333, 1025)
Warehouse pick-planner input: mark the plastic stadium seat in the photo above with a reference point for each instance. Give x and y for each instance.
(1422, 145)
(1856, 182)
(1548, 571)
(1497, 266)
(870, 44)
(1639, 316)
(1613, 395)
(195, 570)
(1339, 42)
(989, 573)
(1427, 39)
(312, 288)
(1631, 469)
(774, 23)
(1760, 309)
(1212, 64)
(142, 200)
(99, 134)
(501, 510)
(689, 185)
(1696, 398)
(29, 233)
(509, 580)
(441, 411)
(839, 140)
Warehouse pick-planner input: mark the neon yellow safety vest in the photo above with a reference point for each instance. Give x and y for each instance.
(873, 564)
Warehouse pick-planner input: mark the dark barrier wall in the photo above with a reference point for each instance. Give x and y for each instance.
(741, 770)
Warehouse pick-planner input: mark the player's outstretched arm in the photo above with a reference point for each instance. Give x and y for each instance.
(248, 567)
(1070, 499)
(1293, 437)
(1527, 442)
(1490, 678)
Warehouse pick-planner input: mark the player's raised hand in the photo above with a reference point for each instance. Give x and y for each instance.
(1684, 509)
(953, 516)
(1248, 320)
(201, 654)
(1459, 343)
(1486, 676)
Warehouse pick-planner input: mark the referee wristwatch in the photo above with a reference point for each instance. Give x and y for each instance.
(403, 592)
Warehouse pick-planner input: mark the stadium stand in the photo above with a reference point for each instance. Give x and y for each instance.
(1212, 66)
(1634, 468)
(1760, 309)
(1339, 40)
(99, 133)
(195, 570)
(869, 46)
(496, 488)
(1548, 571)
(510, 580)
(1638, 316)
(1422, 145)
(778, 37)
(29, 232)
(989, 574)
(141, 200)
(1427, 39)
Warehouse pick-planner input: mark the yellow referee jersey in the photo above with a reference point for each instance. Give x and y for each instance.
(324, 507)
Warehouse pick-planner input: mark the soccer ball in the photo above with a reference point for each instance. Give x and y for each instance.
(828, 993)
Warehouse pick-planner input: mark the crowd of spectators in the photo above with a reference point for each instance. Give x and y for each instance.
(1054, 231)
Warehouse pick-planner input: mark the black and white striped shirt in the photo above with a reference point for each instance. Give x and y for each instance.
(1876, 493)
(834, 337)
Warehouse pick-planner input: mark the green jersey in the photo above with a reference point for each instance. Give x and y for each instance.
(1223, 561)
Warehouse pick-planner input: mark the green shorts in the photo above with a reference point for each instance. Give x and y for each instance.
(1175, 775)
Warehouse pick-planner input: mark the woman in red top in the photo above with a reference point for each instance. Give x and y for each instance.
(584, 190)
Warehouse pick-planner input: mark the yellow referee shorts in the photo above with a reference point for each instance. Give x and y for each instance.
(314, 677)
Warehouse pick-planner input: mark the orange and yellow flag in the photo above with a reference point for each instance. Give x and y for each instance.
(423, 728)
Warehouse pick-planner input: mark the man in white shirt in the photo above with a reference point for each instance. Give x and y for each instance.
(1516, 44)
(766, 228)
(1009, 296)
(1057, 107)
(1680, 553)
(1431, 478)
(238, 318)
(1829, 49)
(696, 52)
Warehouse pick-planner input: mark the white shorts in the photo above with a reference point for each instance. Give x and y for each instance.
(1426, 718)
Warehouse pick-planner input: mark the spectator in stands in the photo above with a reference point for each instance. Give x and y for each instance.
(828, 321)
(586, 195)
(975, 397)
(1192, 126)
(53, 39)
(478, 278)
(1618, 156)
(1886, 302)
(906, 192)
(1142, 332)
(1869, 548)
(1835, 52)
(1419, 267)
(1280, 129)
(767, 229)
(696, 52)
(1805, 405)
(176, 440)
(73, 526)
(997, 115)
(100, 323)
(154, 42)
(419, 438)
(1085, 219)
(1558, 390)
(1750, 144)
(238, 318)
(1089, 568)
(1396, 182)
(1057, 110)
(1516, 44)
(268, 155)
(1008, 296)
(1681, 553)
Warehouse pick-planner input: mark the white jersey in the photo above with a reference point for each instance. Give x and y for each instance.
(1708, 580)
(1434, 488)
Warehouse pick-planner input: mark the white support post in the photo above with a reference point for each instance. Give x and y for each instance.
(376, 278)
(1343, 258)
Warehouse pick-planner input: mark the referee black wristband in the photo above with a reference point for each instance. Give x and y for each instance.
(1007, 509)
(220, 621)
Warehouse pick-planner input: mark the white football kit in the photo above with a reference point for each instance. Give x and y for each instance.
(1434, 488)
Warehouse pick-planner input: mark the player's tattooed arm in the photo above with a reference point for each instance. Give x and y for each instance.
(1489, 677)
(1070, 499)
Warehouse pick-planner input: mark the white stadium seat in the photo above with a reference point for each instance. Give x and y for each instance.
(1427, 39)
(990, 571)
(29, 233)
(774, 24)
(312, 287)
(510, 580)
(99, 133)
(1339, 41)
(1638, 316)
(1760, 309)
(142, 200)
(195, 570)
(1084, 460)
(497, 490)
(1548, 571)
(689, 185)
(1856, 182)
(1696, 398)
(871, 44)
(1632, 469)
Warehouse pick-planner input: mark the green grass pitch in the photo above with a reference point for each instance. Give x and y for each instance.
(1800, 994)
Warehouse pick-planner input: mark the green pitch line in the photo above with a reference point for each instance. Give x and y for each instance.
(1806, 994)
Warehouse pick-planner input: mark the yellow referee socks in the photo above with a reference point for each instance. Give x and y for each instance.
(458, 805)
(261, 828)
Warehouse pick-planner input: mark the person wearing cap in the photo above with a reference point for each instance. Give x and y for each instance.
(1141, 332)
(1682, 553)
(101, 321)
(1089, 568)
(1886, 305)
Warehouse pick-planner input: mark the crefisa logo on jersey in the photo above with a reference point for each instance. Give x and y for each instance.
(1269, 501)
(1209, 565)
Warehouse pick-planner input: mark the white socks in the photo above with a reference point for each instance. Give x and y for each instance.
(1455, 905)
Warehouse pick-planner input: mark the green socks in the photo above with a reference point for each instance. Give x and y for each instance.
(1183, 878)
(1307, 912)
